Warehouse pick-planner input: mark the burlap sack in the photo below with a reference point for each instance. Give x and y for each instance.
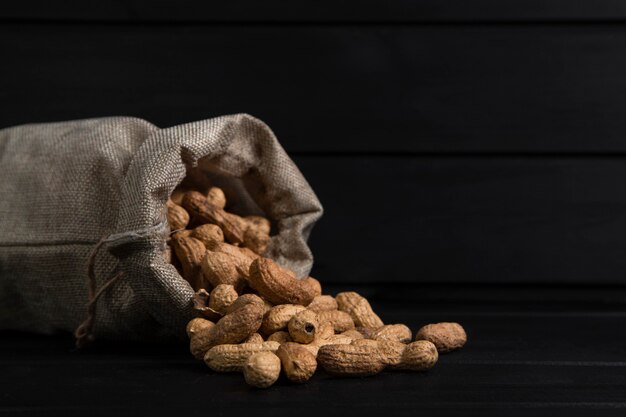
(65, 186)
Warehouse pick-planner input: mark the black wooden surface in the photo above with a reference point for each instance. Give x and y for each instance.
(335, 88)
(319, 11)
(531, 351)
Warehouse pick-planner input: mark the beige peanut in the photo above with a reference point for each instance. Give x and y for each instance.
(303, 326)
(350, 360)
(233, 357)
(359, 309)
(298, 363)
(340, 320)
(279, 285)
(394, 332)
(262, 369)
(419, 356)
(277, 318)
(177, 217)
(445, 336)
(222, 297)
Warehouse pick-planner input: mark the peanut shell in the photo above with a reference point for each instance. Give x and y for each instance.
(303, 326)
(419, 356)
(395, 332)
(350, 360)
(279, 285)
(232, 357)
(359, 309)
(262, 369)
(298, 363)
(445, 336)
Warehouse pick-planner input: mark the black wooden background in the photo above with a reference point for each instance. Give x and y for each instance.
(448, 141)
(472, 152)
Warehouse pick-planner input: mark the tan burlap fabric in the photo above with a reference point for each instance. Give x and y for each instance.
(65, 186)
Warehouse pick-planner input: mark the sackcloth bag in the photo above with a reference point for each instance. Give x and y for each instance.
(98, 187)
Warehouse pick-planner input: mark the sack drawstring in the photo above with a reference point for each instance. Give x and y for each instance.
(83, 333)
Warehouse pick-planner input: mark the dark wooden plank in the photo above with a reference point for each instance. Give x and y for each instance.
(320, 11)
(515, 362)
(454, 219)
(493, 88)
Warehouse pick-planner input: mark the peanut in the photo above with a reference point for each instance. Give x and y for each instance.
(209, 234)
(340, 320)
(419, 356)
(298, 363)
(190, 252)
(233, 357)
(303, 326)
(445, 336)
(396, 332)
(198, 206)
(353, 334)
(222, 297)
(278, 317)
(199, 339)
(359, 309)
(279, 285)
(323, 303)
(196, 325)
(216, 197)
(262, 369)
(280, 337)
(201, 304)
(350, 360)
(177, 217)
(236, 326)
(219, 268)
(254, 338)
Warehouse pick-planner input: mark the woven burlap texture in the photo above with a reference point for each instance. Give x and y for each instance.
(67, 185)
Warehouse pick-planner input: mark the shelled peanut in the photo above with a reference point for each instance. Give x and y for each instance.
(256, 317)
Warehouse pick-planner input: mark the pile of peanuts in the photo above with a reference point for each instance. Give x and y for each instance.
(258, 318)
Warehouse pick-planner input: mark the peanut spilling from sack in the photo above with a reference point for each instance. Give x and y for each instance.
(257, 318)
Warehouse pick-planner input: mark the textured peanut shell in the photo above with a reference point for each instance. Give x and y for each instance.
(262, 369)
(359, 309)
(419, 356)
(353, 334)
(209, 234)
(254, 338)
(303, 326)
(280, 337)
(197, 324)
(239, 257)
(177, 196)
(243, 300)
(391, 352)
(367, 332)
(177, 217)
(216, 196)
(190, 253)
(365, 342)
(314, 286)
(200, 338)
(278, 317)
(259, 223)
(204, 212)
(325, 330)
(394, 332)
(256, 240)
(350, 360)
(201, 304)
(235, 327)
(279, 285)
(445, 336)
(222, 297)
(232, 357)
(298, 363)
(323, 303)
(219, 268)
(340, 320)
